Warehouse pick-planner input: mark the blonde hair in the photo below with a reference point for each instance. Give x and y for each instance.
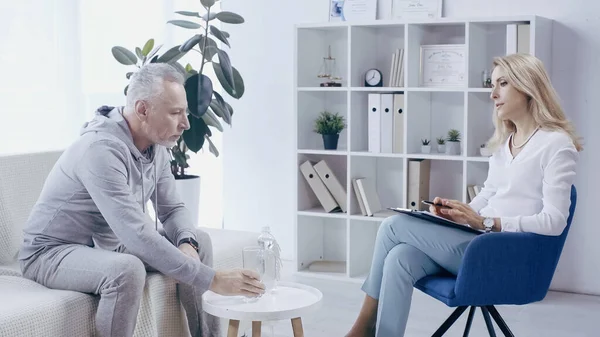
(527, 74)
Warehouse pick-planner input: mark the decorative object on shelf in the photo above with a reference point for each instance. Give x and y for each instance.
(373, 78)
(453, 142)
(441, 145)
(329, 125)
(416, 9)
(486, 79)
(425, 147)
(329, 71)
(484, 151)
(443, 65)
(352, 10)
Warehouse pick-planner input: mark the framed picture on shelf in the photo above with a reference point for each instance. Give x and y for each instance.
(443, 65)
(352, 10)
(416, 9)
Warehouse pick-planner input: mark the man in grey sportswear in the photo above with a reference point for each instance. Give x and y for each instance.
(90, 231)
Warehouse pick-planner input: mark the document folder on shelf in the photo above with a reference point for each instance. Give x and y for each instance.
(436, 219)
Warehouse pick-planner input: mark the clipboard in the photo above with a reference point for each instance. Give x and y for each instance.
(435, 219)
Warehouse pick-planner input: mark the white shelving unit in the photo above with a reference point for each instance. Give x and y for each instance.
(349, 237)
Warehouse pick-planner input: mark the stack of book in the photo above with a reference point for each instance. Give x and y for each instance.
(397, 69)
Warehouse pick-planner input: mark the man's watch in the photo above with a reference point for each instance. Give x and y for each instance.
(191, 241)
(488, 223)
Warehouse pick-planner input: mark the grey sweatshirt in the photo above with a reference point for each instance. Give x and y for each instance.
(96, 195)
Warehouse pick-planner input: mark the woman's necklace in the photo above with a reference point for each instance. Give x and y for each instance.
(512, 139)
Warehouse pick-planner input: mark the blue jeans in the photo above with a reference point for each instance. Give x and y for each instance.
(406, 250)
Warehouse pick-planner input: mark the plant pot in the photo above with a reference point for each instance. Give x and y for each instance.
(485, 152)
(188, 187)
(441, 148)
(452, 148)
(330, 142)
(425, 148)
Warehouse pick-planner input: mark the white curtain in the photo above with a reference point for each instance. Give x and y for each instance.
(57, 68)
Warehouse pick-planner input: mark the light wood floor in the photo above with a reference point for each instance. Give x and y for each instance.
(558, 315)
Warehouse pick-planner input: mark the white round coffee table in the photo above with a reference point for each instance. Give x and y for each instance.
(288, 301)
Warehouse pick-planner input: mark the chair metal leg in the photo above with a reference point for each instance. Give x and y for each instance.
(488, 321)
(449, 321)
(469, 321)
(501, 324)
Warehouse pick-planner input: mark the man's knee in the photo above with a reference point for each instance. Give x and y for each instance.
(127, 271)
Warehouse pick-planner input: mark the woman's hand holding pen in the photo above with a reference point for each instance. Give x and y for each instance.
(457, 211)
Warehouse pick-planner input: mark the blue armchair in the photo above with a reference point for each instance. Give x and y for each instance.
(498, 268)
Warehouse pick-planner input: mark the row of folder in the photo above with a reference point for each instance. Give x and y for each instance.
(385, 122)
(325, 185)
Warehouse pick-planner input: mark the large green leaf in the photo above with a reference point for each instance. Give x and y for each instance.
(230, 17)
(198, 89)
(211, 47)
(171, 55)
(138, 52)
(148, 47)
(226, 67)
(185, 24)
(186, 13)
(219, 35)
(124, 55)
(207, 3)
(238, 92)
(223, 111)
(190, 43)
(194, 136)
(212, 147)
(211, 120)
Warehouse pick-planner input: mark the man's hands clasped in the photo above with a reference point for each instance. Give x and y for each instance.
(458, 212)
(238, 282)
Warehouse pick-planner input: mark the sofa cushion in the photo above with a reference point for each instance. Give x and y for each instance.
(21, 180)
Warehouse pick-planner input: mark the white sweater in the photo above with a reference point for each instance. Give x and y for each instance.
(531, 192)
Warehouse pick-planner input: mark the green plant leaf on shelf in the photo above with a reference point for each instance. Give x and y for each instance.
(230, 17)
(124, 55)
(238, 92)
(185, 24)
(187, 13)
(219, 35)
(199, 90)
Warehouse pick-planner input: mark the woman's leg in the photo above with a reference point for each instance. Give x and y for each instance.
(443, 246)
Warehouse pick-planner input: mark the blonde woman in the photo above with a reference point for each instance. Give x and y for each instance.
(535, 154)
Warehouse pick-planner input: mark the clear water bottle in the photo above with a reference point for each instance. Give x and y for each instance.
(270, 259)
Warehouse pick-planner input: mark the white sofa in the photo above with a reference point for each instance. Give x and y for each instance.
(30, 309)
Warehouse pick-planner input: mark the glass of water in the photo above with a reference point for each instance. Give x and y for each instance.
(252, 259)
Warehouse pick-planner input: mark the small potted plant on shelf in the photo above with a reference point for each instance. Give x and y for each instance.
(441, 145)
(329, 125)
(484, 151)
(453, 142)
(425, 147)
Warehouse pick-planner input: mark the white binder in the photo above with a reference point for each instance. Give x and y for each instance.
(332, 183)
(370, 196)
(318, 187)
(418, 183)
(359, 197)
(398, 121)
(374, 122)
(387, 123)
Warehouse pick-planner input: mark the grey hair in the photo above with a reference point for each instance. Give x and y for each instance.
(145, 84)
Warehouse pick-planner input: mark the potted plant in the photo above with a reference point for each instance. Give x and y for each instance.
(484, 151)
(425, 147)
(206, 106)
(329, 125)
(453, 142)
(441, 145)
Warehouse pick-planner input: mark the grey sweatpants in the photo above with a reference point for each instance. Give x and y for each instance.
(119, 278)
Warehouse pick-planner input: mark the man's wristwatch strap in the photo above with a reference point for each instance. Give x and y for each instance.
(191, 241)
